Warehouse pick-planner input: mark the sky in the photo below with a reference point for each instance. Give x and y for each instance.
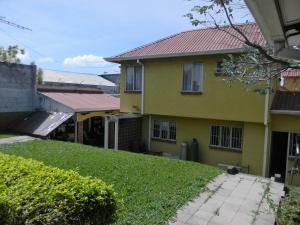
(75, 35)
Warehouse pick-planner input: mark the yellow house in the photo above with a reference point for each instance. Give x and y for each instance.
(177, 85)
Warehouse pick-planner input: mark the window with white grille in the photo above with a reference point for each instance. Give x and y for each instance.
(133, 78)
(164, 130)
(294, 144)
(226, 137)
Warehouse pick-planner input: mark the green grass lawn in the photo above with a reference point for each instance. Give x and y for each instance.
(2, 135)
(152, 188)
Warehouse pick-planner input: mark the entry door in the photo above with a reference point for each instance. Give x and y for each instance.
(279, 146)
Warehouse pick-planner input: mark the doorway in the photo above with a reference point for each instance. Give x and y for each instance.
(279, 145)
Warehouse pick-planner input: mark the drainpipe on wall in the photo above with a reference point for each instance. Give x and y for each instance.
(266, 124)
(143, 84)
(149, 133)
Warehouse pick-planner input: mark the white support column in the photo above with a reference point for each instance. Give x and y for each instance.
(117, 134)
(76, 128)
(106, 130)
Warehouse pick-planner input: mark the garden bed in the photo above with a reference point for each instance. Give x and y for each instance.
(152, 188)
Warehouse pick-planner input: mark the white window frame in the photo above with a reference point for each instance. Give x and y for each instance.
(160, 131)
(134, 76)
(201, 79)
(230, 139)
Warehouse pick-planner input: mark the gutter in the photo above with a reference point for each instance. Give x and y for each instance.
(159, 56)
(266, 136)
(143, 85)
(286, 112)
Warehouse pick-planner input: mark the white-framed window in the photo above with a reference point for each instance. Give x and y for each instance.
(192, 77)
(294, 144)
(229, 137)
(134, 78)
(164, 130)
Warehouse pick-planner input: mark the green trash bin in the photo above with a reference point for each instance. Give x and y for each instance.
(194, 148)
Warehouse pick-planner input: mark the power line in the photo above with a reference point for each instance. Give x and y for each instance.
(2, 20)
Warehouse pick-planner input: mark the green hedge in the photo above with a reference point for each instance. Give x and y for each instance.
(33, 194)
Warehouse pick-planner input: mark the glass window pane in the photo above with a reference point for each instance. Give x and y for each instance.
(129, 78)
(214, 135)
(156, 129)
(236, 138)
(138, 78)
(225, 139)
(172, 131)
(187, 77)
(197, 76)
(164, 130)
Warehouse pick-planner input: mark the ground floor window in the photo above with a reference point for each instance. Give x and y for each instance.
(294, 148)
(226, 137)
(164, 130)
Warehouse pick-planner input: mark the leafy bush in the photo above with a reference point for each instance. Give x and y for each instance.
(33, 194)
(288, 212)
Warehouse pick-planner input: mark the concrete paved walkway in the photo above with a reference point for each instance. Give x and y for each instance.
(16, 139)
(232, 200)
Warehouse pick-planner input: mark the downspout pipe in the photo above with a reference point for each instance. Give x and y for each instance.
(266, 136)
(143, 85)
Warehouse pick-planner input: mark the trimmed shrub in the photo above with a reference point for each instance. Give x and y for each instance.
(32, 193)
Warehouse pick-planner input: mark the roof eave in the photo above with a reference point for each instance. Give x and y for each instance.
(286, 112)
(172, 55)
(96, 109)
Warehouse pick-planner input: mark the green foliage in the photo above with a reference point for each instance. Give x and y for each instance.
(40, 76)
(152, 188)
(10, 54)
(32, 194)
(288, 212)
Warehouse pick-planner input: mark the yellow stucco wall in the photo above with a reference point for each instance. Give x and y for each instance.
(189, 128)
(163, 81)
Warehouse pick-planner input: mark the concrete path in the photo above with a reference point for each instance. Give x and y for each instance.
(16, 139)
(232, 200)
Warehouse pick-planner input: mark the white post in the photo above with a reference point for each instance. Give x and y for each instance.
(287, 159)
(106, 130)
(266, 136)
(76, 129)
(116, 133)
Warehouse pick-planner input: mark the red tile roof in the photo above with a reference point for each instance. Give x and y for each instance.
(195, 42)
(291, 73)
(85, 102)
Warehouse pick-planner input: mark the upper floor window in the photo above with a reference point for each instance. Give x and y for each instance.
(164, 130)
(219, 68)
(133, 78)
(294, 144)
(192, 77)
(226, 137)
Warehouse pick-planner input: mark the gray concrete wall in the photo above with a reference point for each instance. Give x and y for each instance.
(17, 87)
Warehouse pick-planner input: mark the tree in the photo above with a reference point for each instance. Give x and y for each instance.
(11, 54)
(257, 66)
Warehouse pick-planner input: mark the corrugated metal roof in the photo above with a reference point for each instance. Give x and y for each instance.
(197, 42)
(291, 73)
(87, 102)
(53, 76)
(41, 123)
(288, 101)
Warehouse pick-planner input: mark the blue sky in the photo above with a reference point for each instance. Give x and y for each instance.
(75, 35)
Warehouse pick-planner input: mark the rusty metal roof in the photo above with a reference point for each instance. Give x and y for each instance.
(291, 73)
(85, 102)
(195, 42)
(286, 101)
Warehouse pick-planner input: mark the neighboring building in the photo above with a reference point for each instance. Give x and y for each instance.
(113, 77)
(290, 80)
(74, 81)
(177, 85)
(17, 92)
(279, 22)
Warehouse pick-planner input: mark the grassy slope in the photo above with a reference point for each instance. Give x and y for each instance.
(6, 135)
(152, 188)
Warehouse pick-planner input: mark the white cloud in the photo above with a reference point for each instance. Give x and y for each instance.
(86, 61)
(23, 56)
(45, 60)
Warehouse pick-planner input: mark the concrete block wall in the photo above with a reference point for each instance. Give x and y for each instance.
(17, 87)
